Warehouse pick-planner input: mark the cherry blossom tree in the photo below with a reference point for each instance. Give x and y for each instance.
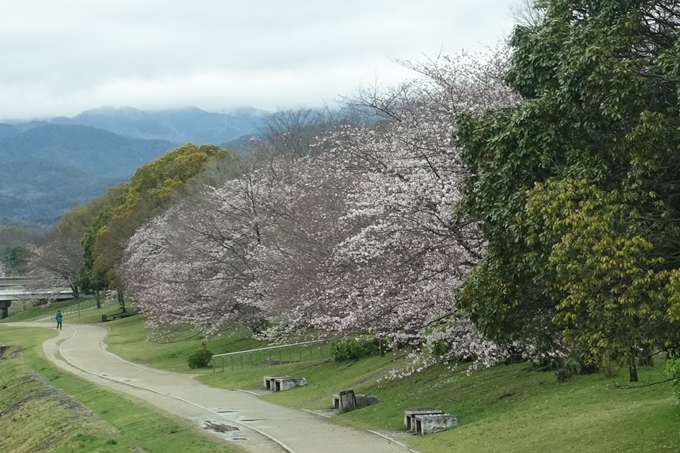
(394, 271)
(56, 261)
(355, 236)
(196, 263)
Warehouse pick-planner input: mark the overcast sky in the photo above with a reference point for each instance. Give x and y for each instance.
(60, 57)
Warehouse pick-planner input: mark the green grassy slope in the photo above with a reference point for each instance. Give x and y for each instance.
(505, 408)
(43, 409)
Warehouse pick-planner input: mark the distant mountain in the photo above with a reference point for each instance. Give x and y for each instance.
(47, 169)
(39, 191)
(7, 129)
(91, 150)
(49, 166)
(178, 126)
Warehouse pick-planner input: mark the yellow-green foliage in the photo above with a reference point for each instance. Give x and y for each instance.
(150, 191)
(576, 187)
(616, 297)
(158, 179)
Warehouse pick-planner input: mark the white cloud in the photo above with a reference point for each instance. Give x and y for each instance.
(64, 56)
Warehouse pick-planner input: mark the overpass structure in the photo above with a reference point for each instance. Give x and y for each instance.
(12, 282)
(18, 288)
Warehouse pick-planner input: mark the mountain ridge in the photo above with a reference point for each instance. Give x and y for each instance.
(48, 166)
(179, 126)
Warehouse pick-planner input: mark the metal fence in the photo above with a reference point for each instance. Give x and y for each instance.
(23, 305)
(271, 356)
(77, 308)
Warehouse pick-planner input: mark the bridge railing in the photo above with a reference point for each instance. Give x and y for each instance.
(271, 355)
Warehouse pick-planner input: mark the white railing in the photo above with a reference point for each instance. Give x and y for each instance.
(303, 351)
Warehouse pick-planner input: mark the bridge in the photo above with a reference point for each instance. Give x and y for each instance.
(17, 288)
(9, 282)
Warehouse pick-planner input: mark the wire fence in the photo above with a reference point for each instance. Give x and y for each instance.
(19, 306)
(85, 306)
(271, 356)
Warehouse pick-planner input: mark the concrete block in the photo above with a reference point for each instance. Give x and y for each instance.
(434, 423)
(269, 381)
(281, 383)
(410, 414)
(348, 400)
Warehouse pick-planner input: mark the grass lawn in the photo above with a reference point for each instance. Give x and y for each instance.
(505, 408)
(45, 409)
(129, 338)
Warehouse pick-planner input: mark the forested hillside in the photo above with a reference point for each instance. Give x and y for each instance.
(52, 165)
(94, 151)
(48, 169)
(39, 191)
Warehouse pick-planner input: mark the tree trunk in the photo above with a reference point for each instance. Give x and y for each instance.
(121, 300)
(632, 369)
(74, 290)
(98, 298)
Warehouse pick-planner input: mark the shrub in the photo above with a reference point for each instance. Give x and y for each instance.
(354, 348)
(569, 369)
(199, 359)
(440, 348)
(673, 371)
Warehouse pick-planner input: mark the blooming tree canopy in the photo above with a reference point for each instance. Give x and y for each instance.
(354, 237)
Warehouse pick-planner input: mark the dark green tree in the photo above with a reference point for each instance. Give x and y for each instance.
(152, 189)
(91, 280)
(578, 188)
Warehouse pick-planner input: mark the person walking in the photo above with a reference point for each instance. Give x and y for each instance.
(58, 317)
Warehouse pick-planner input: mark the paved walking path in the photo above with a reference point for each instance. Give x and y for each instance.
(240, 417)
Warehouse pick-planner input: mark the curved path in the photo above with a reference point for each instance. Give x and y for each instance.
(243, 418)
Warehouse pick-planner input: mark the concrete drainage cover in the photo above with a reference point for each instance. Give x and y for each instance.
(219, 427)
(223, 430)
